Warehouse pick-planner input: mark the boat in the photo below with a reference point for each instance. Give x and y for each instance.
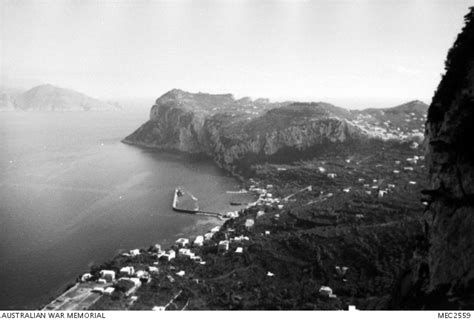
(234, 203)
(242, 191)
(183, 201)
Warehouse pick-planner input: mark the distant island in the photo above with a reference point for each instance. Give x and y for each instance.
(49, 98)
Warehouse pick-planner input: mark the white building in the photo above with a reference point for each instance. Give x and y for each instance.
(223, 246)
(185, 253)
(153, 269)
(158, 308)
(249, 223)
(170, 255)
(108, 275)
(109, 290)
(128, 270)
(182, 242)
(198, 241)
(134, 252)
(326, 292)
(208, 236)
(141, 274)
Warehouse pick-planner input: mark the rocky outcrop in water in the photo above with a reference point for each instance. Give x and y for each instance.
(238, 133)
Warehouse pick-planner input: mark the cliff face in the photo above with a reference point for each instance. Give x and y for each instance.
(238, 133)
(281, 133)
(450, 217)
(442, 275)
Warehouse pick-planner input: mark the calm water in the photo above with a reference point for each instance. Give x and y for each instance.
(72, 195)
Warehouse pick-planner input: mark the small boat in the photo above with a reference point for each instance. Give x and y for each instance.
(242, 191)
(183, 201)
(234, 203)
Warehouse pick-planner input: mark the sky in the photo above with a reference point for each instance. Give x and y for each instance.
(353, 54)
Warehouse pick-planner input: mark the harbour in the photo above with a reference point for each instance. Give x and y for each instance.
(185, 202)
(54, 196)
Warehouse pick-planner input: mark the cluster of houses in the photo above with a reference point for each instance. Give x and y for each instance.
(375, 186)
(265, 198)
(387, 130)
(128, 281)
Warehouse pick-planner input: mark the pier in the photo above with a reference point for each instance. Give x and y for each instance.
(185, 202)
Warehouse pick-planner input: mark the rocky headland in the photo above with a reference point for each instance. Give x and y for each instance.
(240, 133)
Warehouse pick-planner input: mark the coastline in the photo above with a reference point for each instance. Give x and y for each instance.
(201, 228)
(288, 211)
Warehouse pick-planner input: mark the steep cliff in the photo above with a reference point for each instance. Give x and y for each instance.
(284, 133)
(444, 277)
(238, 133)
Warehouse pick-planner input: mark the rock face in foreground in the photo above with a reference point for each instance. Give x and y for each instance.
(445, 274)
(450, 129)
(51, 98)
(238, 133)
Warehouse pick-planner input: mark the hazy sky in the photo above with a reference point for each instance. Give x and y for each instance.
(350, 53)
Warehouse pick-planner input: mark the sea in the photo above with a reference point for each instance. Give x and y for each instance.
(72, 195)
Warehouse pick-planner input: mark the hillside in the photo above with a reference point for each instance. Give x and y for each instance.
(401, 122)
(362, 212)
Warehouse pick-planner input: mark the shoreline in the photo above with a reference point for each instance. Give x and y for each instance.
(255, 235)
(216, 221)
